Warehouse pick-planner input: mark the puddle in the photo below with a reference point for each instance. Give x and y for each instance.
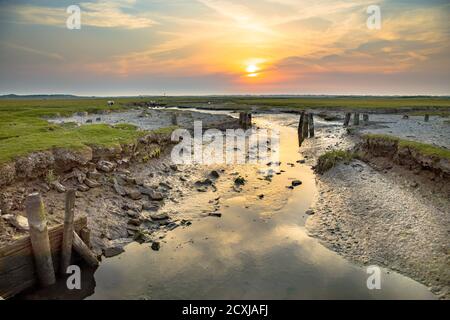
(258, 249)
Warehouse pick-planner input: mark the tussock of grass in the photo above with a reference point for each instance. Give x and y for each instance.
(329, 159)
(422, 148)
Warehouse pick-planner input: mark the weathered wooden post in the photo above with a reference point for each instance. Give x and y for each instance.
(40, 242)
(174, 119)
(348, 116)
(427, 117)
(356, 119)
(66, 250)
(311, 125)
(82, 249)
(305, 126)
(300, 128)
(249, 120)
(366, 118)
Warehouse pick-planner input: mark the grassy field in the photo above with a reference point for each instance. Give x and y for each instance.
(312, 102)
(23, 127)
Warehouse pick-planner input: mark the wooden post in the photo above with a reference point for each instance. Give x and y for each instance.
(365, 118)
(300, 128)
(311, 125)
(85, 235)
(427, 117)
(348, 116)
(305, 127)
(356, 119)
(40, 242)
(174, 119)
(249, 120)
(66, 248)
(82, 249)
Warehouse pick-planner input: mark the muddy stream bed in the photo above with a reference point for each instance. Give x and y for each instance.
(257, 249)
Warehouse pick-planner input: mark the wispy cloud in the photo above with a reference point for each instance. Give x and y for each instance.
(101, 14)
(50, 55)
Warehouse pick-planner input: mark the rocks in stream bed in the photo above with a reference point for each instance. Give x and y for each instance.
(296, 183)
(112, 251)
(105, 166)
(18, 221)
(58, 186)
(133, 193)
(92, 183)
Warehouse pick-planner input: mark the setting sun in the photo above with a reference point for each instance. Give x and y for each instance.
(252, 68)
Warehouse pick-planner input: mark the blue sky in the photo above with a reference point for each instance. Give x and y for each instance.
(130, 47)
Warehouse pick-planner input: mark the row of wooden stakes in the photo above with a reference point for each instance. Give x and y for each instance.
(40, 242)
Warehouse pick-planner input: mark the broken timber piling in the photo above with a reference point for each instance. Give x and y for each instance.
(365, 118)
(66, 248)
(348, 116)
(356, 119)
(34, 258)
(305, 127)
(40, 242)
(311, 125)
(245, 120)
(427, 118)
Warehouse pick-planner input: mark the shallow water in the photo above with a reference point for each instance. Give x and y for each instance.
(258, 249)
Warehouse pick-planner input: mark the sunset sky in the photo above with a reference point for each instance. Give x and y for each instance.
(131, 47)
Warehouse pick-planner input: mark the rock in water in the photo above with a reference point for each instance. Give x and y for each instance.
(296, 183)
(214, 174)
(112, 251)
(159, 216)
(156, 245)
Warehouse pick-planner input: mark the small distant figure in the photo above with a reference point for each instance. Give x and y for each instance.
(405, 116)
(110, 103)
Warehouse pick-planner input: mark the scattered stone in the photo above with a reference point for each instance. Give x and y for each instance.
(261, 196)
(105, 166)
(94, 175)
(215, 214)
(159, 216)
(301, 161)
(156, 245)
(202, 189)
(133, 193)
(165, 185)
(134, 222)
(174, 167)
(309, 212)
(58, 186)
(18, 221)
(214, 174)
(296, 183)
(119, 189)
(239, 181)
(206, 182)
(150, 206)
(112, 251)
(83, 188)
(133, 214)
(156, 196)
(91, 183)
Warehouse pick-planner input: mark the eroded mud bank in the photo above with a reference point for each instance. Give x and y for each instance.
(391, 210)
